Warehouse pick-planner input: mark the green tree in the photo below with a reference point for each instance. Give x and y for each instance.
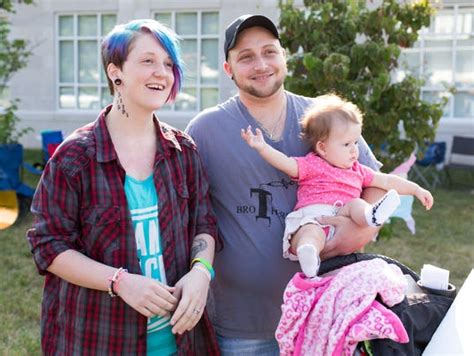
(13, 56)
(352, 50)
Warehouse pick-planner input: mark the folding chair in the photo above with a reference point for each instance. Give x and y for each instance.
(9, 208)
(427, 170)
(462, 155)
(12, 189)
(50, 140)
(11, 170)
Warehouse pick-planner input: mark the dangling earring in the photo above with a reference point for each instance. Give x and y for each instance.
(117, 81)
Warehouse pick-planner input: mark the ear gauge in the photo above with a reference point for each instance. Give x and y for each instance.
(117, 81)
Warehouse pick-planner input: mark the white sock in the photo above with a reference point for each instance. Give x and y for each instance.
(378, 213)
(308, 255)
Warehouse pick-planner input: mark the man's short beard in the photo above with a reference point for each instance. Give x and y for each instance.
(249, 89)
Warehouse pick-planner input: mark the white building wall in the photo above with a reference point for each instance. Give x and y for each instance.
(36, 85)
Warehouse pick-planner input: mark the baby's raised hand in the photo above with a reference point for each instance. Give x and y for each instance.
(256, 141)
(424, 197)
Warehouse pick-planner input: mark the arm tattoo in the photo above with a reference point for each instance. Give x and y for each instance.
(199, 244)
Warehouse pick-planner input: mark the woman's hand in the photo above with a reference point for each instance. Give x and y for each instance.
(191, 290)
(147, 296)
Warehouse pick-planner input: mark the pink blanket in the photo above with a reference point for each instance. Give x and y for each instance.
(330, 315)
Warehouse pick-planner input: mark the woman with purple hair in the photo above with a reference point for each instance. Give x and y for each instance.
(124, 232)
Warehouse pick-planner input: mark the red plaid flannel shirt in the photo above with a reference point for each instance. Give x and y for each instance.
(80, 204)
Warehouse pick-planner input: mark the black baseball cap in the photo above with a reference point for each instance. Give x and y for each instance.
(243, 22)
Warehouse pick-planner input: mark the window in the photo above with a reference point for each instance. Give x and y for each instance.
(82, 83)
(199, 31)
(444, 57)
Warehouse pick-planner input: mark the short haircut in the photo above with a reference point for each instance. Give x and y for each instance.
(320, 116)
(118, 43)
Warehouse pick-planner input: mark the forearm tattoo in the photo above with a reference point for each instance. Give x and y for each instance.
(199, 244)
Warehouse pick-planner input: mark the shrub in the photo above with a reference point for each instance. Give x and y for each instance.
(350, 49)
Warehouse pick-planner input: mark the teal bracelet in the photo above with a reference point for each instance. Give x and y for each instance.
(205, 264)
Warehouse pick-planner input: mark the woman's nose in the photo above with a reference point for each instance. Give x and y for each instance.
(160, 70)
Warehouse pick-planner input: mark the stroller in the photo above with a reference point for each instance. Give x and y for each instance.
(420, 312)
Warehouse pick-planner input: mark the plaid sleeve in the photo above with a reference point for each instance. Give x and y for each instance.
(200, 202)
(55, 209)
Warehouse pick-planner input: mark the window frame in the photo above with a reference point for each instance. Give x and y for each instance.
(199, 37)
(421, 49)
(75, 38)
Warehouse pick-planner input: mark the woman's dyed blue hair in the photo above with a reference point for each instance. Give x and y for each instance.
(117, 44)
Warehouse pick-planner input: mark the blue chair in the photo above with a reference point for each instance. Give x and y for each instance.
(427, 169)
(11, 164)
(50, 140)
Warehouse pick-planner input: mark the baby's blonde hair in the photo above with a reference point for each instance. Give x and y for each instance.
(319, 118)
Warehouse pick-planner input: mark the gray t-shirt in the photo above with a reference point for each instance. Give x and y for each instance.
(251, 200)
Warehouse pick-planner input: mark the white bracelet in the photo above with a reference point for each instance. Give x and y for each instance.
(114, 280)
(202, 269)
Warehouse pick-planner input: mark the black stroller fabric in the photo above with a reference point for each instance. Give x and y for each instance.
(420, 313)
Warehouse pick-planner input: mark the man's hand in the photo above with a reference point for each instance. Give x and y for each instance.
(348, 238)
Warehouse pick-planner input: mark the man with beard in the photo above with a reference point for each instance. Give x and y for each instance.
(250, 197)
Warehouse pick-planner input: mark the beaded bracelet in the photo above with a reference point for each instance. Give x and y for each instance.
(115, 279)
(206, 264)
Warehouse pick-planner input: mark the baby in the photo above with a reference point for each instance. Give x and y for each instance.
(330, 179)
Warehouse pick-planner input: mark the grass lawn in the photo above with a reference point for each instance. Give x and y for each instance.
(20, 285)
(443, 238)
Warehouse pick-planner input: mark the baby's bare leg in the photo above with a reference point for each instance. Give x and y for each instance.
(365, 214)
(310, 234)
(308, 241)
(355, 210)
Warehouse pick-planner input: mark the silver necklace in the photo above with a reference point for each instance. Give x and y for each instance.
(271, 133)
